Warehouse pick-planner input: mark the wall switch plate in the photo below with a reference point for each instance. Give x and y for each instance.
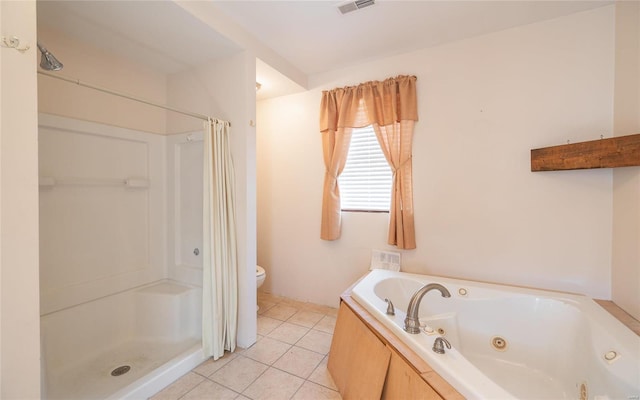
(385, 260)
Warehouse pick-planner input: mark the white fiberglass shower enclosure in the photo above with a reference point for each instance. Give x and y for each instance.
(120, 258)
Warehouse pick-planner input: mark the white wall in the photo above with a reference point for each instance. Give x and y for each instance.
(626, 181)
(209, 13)
(98, 67)
(225, 89)
(480, 213)
(19, 298)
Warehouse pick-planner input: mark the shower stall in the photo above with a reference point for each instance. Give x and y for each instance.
(121, 214)
(120, 259)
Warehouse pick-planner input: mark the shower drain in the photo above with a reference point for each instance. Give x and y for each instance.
(121, 370)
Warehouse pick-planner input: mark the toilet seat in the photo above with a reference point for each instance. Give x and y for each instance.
(259, 271)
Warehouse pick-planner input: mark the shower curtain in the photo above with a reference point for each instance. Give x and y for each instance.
(220, 280)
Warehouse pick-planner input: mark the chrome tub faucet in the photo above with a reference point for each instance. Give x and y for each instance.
(411, 322)
(390, 308)
(439, 343)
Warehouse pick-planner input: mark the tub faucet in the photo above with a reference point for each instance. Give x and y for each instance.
(439, 343)
(390, 309)
(411, 322)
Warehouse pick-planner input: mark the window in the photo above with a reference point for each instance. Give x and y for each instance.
(365, 182)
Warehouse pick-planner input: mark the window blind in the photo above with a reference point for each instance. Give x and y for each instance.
(365, 182)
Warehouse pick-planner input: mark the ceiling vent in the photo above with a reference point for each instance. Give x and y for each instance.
(355, 5)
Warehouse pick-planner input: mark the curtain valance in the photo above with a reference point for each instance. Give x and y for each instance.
(380, 102)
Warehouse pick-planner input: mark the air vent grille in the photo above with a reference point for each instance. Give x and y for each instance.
(355, 5)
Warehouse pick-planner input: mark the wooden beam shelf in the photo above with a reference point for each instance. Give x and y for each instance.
(619, 151)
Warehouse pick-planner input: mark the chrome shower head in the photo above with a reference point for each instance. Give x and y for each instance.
(48, 61)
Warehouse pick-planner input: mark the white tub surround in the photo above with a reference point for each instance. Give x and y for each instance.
(508, 342)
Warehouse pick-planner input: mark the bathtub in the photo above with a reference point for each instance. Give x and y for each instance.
(511, 343)
(154, 330)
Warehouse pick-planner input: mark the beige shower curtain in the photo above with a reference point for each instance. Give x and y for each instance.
(219, 250)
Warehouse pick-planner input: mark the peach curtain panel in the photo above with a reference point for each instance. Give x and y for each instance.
(390, 106)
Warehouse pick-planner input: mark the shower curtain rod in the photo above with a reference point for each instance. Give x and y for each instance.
(134, 98)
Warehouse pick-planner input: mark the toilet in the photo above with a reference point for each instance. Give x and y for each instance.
(260, 275)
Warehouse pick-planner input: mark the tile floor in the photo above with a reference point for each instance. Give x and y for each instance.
(288, 361)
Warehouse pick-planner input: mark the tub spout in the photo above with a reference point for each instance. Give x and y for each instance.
(411, 322)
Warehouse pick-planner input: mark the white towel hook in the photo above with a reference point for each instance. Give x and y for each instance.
(13, 43)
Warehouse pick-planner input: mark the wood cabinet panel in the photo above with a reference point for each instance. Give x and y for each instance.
(442, 387)
(367, 361)
(358, 360)
(403, 382)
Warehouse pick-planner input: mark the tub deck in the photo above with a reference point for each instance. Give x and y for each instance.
(622, 316)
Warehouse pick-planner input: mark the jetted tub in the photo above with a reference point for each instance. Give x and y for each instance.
(509, 342)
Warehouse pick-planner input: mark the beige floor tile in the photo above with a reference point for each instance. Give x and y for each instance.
(179, 387)
(322, 376)
(239, 373)
(288, 333)
(294, 303)
(267, 350)
(210, 390)
(274, 385)
(266, 324)
(239, 350)
(268, 297)
(296, 349)
(305, 318)
(327, 324)
(210, 366)
(317, 341)
(326, 310)
(298, 361)
(332, 311)
(281, 311)
(311, 391)
(264, 306)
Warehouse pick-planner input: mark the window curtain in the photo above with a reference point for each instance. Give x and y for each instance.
(219, 250)
(390, 106)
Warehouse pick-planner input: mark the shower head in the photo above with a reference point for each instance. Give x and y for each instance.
(48, 61)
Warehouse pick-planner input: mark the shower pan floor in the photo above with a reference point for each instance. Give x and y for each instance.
(93, 380)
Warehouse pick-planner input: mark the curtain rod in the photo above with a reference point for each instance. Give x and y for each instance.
(130, 97)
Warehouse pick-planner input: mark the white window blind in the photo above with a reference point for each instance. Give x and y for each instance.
(365, 182)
